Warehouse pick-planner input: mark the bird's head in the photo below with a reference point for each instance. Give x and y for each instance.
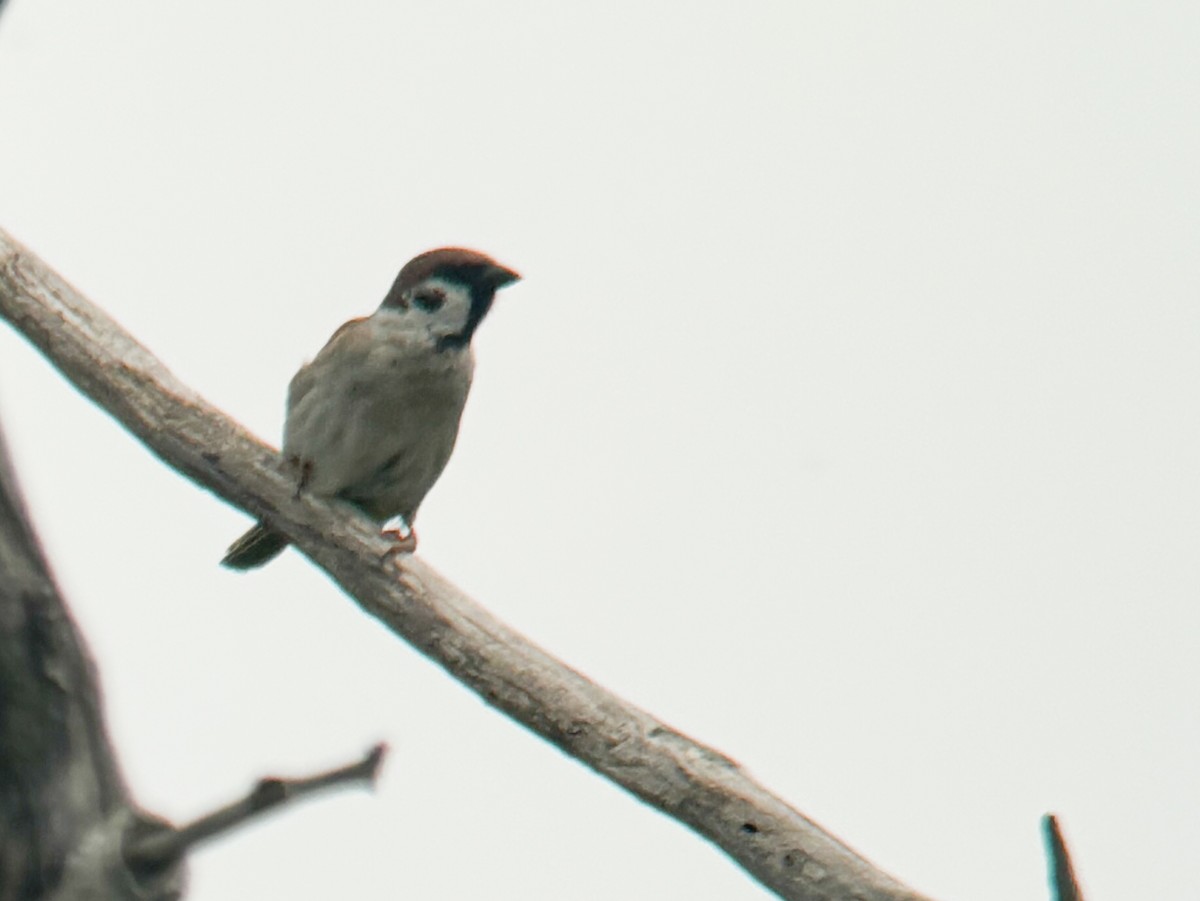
(448, 291)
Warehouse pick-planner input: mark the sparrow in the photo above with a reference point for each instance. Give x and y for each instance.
(373, 418)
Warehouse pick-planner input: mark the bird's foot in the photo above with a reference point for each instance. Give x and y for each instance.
(303, 469)
(404, 539)
(407, 539)
(401, 543)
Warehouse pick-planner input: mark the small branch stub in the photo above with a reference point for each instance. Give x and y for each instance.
(1062, 873)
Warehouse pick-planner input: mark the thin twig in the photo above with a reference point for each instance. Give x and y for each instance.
(1062, 873)
(166, 846)
(691, 782)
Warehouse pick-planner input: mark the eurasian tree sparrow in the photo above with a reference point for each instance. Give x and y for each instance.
(373, 418)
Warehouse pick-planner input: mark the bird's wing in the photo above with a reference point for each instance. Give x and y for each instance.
(317, 408)
(351, 336)
(348, 410)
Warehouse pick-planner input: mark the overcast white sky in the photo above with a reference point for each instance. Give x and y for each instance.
(847, 418)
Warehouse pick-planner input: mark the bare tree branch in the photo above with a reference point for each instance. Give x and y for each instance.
(693, 783)
(164, 847)
(1062, 873)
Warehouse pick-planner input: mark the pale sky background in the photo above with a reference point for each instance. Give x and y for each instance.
(847, 419)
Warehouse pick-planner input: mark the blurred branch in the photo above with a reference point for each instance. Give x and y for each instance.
(695, 784)
(166, 846)
(1062, 873)
(64, 809)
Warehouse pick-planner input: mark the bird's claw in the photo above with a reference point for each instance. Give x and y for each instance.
(401, 543)
(304, 471)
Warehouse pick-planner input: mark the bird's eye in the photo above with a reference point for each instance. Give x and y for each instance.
(430, 300)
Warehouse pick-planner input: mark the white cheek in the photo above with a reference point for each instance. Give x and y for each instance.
(451, 317)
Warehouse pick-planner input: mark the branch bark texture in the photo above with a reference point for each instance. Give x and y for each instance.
(693, 783)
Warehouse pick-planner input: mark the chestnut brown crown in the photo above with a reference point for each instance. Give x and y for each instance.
(457, 264)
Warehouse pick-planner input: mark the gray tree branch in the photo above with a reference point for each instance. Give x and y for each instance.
(695, 784)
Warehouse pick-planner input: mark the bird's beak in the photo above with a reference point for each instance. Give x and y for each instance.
(497, 276)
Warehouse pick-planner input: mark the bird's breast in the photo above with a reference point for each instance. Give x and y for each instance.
(380, 430)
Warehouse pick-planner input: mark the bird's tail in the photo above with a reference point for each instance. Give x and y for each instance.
(255, 548)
